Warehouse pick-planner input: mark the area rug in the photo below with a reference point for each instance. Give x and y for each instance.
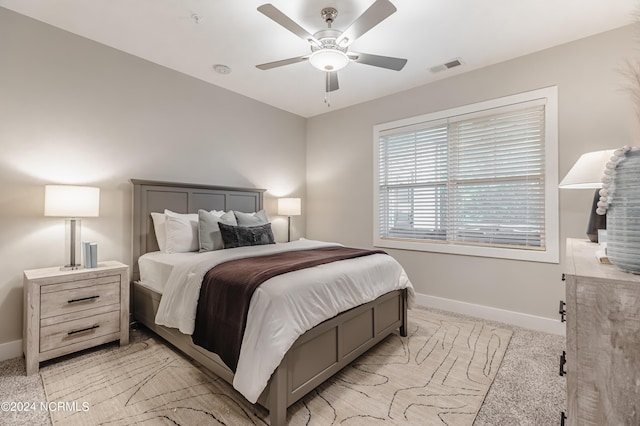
(438, 375)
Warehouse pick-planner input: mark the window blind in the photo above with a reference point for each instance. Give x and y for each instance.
(473, 179)
(413, 183)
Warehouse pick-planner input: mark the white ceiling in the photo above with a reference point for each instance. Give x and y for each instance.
(190, 36)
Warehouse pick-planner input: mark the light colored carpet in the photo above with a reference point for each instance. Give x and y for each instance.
(527, 391)
(439, 374)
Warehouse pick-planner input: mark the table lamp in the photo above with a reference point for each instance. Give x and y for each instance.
(72, 203)
(587, 173)
(289, 207)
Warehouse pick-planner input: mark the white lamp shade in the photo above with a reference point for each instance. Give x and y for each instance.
(587, 172)
(289, 206)
(329, 59)
(71, 201)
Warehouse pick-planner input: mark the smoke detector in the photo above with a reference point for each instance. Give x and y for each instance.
(222, 69)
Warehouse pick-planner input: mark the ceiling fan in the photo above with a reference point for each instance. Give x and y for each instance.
(329, 47)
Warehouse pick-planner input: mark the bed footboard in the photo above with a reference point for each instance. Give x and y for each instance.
(316, 356)
(330, 346)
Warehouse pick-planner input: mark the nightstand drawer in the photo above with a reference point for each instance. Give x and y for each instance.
(69, 332)
(79, 296)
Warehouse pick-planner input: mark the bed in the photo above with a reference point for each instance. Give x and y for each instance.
(314, 357)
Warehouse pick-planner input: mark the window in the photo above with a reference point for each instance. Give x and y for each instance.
(476, 180)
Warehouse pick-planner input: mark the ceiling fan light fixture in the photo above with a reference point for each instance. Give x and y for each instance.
(329, 60)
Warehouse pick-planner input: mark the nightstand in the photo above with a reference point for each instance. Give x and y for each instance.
(67, 311)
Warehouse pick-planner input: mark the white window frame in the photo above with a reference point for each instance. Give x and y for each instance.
(551, 252)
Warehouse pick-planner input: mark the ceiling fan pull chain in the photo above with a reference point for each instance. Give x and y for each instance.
(327, 96)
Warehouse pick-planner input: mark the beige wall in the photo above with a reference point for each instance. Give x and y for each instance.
(75, 111)
(595, 112)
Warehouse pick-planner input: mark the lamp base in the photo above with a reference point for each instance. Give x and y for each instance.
(72, 244)
(596, 221)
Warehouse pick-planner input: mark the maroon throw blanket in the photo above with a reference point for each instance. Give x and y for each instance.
(227, 289)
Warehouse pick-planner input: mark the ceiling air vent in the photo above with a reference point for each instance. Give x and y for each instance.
(447, 65)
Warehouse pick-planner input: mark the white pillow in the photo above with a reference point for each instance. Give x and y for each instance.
(160, 229)
(251, 219)
(209, 231)
(181, 232)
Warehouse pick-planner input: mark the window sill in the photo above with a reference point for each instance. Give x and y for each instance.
(550, 255)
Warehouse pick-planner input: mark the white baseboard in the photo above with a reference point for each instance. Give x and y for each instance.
(14, 349)
(10, 350)
(532, 322)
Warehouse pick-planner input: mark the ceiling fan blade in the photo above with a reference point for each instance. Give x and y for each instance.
(387, 62)
(270, 11)
(377, 12)
(282, 62)
(332, 82)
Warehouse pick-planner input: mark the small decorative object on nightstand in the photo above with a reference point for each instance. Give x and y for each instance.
(69, 310)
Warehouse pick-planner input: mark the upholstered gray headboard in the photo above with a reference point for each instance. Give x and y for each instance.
(153, 196)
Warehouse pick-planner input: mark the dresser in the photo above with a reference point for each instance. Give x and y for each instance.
(67, 311)
(603, 340)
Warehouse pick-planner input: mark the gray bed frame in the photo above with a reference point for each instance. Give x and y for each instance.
(315, 356)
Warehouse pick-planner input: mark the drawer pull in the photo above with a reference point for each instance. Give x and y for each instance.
(83, 299)
(564, 277)
(82, 330)
(563, 361)
(562, 311)
(563, 417)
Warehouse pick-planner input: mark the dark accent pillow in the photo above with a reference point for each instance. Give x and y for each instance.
(241, 236)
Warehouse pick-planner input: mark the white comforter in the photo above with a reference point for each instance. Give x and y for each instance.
(279, 312)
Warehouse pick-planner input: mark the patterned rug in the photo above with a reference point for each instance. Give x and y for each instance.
(438, 375)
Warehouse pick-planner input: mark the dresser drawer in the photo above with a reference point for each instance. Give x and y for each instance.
(78, 330)
(79, 295)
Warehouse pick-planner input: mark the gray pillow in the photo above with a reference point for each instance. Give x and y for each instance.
(251, 219)
(241, 236)
(208, 230)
